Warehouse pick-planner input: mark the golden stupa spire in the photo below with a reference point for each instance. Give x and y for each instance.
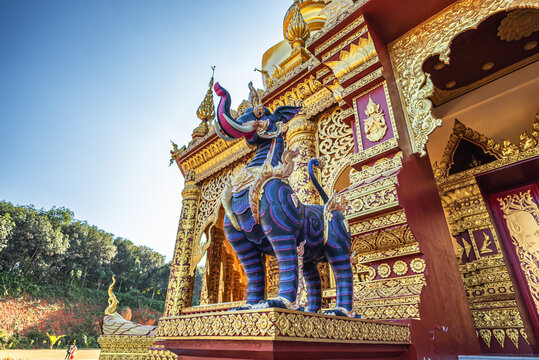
(206, 110)
(298, 31)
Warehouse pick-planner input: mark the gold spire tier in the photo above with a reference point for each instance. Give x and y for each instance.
(298, 31)
(206, 111)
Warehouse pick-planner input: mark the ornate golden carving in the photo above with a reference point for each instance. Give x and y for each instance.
(365, 80)
(339, 35)
(298, 30)
(301, 137)
(518, 24)
(383, 239)
(375, 124)
(381, 168)
(495, 318)
(124, 347)
(499, 335)
(493, 304)
(524, 335)
(418, 265)
(297, 95)
(387, 288)
(434, 36)
(522, 218)
(335, 143)
(403, 250)
(373, 197)
(179, 292)
(486, 335)
(281, 324)
(160, 353)
(212, 307)
(512, 334)
(379, 222)
(384, 270)
(376, 150)
(461, 131)
(400, 267)
(486, 243)
(465, 207)
(527, 142)
(409, 311)
(214, 156)
(334, 8)
(357, 56)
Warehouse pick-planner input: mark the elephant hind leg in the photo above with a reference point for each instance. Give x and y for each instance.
(314, 286)
(343, 280)
(337, 251)
(251, 259)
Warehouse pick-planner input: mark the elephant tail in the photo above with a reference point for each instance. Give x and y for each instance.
(315, 162)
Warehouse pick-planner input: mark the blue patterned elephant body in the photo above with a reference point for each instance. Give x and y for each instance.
(264, 216)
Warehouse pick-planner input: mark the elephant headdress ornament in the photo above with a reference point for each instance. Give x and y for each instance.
(264, 216)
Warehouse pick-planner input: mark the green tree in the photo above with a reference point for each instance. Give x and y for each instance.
(6, 227)
(35, 242)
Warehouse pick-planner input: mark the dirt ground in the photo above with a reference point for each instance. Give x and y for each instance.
(91, 354)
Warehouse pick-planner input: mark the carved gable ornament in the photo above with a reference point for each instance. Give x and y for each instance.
(434, 37)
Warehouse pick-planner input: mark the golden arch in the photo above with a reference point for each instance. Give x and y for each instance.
(434, 37)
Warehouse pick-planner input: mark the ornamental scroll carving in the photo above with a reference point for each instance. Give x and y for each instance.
(208, 208)
(434, 37)
(335, 143)
(522, 218)
(297, 95)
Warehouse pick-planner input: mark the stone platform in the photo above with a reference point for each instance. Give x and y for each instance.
(280, 334)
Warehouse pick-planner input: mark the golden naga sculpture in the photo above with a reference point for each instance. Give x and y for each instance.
(114, 323)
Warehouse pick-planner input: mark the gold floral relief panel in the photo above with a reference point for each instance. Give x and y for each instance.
(335, 144)
(517, 213)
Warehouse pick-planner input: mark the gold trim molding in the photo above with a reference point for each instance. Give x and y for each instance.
(281, 324)
(433, 37)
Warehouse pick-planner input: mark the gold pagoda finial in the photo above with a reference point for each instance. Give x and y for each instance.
(113, 301)
(298, 31)
(206, 110)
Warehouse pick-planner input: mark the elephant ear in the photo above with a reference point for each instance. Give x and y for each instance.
(285, 113)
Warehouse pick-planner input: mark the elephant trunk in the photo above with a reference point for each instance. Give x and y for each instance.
(225, 126)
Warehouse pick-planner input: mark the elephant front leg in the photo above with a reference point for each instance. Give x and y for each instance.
(251, 260)
(286, 254)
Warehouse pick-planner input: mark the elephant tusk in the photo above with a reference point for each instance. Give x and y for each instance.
(244, 129)
(220, 134)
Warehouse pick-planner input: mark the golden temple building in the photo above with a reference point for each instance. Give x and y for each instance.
(426, 114)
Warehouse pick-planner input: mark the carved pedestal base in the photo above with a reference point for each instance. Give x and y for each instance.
(280, 334)
(124, 347)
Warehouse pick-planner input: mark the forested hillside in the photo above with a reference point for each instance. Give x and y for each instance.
(49, 255)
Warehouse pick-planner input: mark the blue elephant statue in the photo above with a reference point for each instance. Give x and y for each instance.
(264, 215)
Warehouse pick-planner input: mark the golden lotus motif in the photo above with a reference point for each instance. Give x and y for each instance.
(357, 56)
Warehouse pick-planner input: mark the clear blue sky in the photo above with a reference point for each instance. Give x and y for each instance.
(92, 92)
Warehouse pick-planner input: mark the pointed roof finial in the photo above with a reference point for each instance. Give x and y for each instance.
(206, 110)
(298, 31)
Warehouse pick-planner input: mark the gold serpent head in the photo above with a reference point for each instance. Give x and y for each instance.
(113, 301)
